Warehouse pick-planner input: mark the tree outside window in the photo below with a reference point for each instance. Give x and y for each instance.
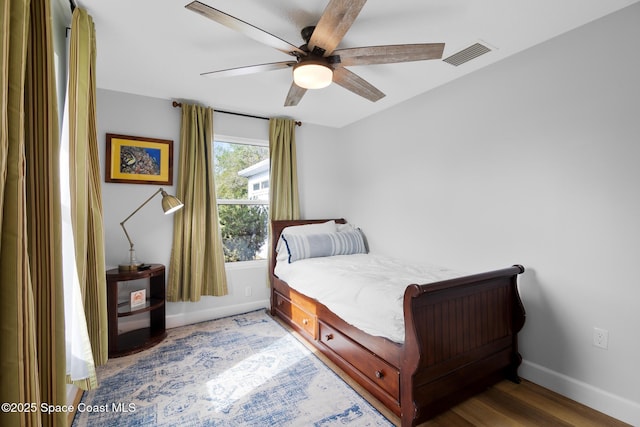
(241, 173)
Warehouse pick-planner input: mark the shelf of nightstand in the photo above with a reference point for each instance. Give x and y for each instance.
(130, 342)
(121, 344)
(124, 308)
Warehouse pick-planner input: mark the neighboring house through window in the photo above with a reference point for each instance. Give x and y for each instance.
(258, 177)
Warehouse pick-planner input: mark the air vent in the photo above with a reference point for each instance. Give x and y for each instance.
(466, 55)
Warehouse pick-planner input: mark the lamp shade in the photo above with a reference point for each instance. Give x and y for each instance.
(170, 203)
(312, 75)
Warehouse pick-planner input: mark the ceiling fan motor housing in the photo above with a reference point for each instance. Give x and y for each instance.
(306, 33)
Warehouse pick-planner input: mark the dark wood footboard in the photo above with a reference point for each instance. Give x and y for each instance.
(460, 338)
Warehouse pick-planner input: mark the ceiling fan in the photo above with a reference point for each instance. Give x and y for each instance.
(317, 62)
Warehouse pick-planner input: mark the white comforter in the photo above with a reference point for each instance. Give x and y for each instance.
(365, 290)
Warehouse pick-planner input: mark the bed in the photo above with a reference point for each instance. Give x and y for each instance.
(459, 337)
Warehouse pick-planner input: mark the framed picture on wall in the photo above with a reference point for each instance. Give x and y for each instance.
(138, 160)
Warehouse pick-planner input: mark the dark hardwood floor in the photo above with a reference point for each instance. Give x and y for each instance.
(524, 404)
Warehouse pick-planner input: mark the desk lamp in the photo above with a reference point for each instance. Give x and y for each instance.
(170, 204)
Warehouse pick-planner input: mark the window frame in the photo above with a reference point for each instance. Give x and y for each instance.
(245, 141)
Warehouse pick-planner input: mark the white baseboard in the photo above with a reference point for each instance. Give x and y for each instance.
(608, 403)
(191, 317)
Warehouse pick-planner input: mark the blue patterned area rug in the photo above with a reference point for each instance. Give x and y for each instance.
(244, 370)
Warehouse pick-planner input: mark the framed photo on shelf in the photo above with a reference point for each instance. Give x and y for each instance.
(138, 160)
(138, 299)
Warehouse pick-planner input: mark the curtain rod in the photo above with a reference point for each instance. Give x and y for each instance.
(179, 104)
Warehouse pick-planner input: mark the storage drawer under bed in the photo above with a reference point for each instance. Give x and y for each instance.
(300, 317)
(372, 367)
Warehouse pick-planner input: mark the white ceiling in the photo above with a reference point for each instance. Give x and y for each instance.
(159, 48)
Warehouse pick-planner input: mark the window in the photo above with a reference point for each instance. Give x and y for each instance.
(241, 173)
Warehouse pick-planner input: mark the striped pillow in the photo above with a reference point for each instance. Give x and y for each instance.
(325, 244)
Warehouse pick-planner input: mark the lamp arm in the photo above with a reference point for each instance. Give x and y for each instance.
(133, 213)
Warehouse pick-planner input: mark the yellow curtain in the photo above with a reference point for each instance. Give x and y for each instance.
(32, 355)
(197, 259)
(86, 192)
(283, 198)
(43, 204)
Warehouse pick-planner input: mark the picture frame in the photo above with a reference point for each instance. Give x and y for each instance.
(138, 299)
(138, 160)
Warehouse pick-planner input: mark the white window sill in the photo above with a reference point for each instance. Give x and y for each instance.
(246, 265)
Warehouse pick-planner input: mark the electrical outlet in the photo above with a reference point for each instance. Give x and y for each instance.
(601, 338)
(247, 291)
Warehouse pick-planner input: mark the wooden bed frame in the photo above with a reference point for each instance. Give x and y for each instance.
(460, 338)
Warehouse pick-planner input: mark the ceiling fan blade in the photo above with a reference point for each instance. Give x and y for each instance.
(390, 54)
(251, 69)
(244, 28)
(334, 24)
(295, 95)
(356, 84)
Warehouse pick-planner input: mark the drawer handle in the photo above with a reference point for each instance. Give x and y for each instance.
(329, 337)
(305, 321)
(379, 374)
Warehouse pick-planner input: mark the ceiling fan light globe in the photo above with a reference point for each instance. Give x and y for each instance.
(312, 76)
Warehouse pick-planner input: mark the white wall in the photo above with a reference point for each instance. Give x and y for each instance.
(321, 166)
(533, 160)
(150, 229)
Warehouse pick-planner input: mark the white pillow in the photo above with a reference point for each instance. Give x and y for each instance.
(301, 230)
(345, 227)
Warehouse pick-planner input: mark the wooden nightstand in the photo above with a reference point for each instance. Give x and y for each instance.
(141, 338)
